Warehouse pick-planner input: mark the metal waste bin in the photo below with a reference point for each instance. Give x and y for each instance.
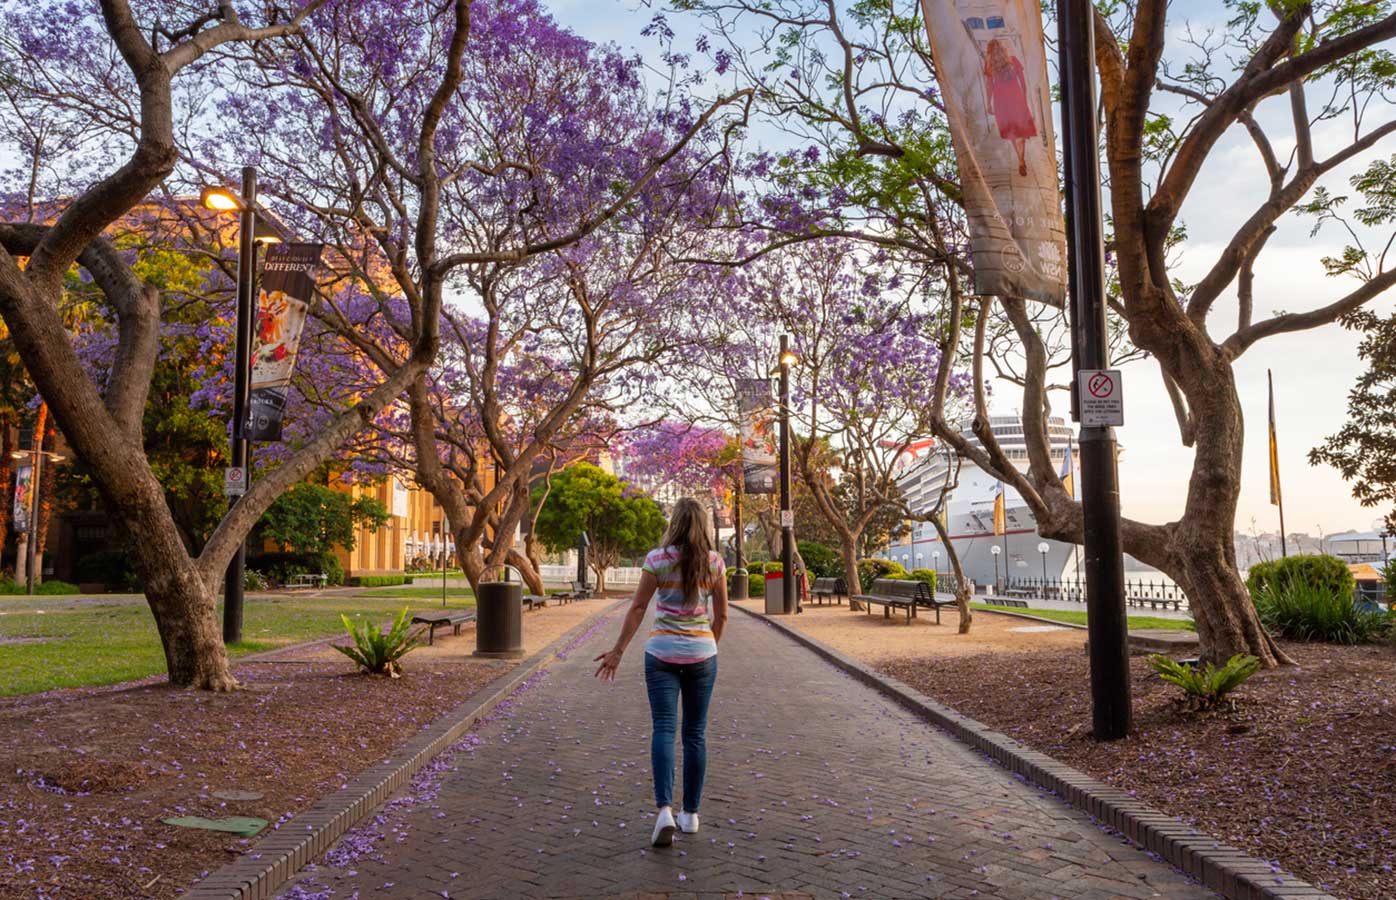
(741, 584)
(775, 594)
(499, 620)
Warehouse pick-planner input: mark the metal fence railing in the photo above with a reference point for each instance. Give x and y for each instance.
(1143, 592)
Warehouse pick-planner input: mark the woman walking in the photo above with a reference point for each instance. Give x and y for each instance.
(690, 582)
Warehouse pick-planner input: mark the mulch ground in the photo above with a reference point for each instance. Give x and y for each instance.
(87, 775)
(1302, 772)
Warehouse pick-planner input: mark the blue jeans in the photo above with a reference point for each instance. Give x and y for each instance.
(667, 682)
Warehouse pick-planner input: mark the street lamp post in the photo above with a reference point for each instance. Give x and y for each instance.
(935, 561)
(1379, 526)
(245, 204)
(998, 585)
(30, 539)
(1043, 548)
(1100, 496)
(787, 517)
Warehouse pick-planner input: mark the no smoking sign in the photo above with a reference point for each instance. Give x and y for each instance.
(1100, 397)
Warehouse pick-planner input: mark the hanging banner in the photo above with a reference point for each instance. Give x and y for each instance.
(399, 497)
(992, 67)
(24, 483)
(760, 468)
(287, 283)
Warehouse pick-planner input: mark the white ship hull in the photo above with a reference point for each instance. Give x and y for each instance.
(970, 517)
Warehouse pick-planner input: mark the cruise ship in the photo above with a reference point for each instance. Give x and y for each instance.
(922, 472)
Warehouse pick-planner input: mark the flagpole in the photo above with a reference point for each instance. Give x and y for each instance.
(1276, 495)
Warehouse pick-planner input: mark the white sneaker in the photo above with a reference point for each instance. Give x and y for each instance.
(663, 828)
(688, 822)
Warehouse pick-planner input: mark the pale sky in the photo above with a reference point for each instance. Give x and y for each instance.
(1313, 370)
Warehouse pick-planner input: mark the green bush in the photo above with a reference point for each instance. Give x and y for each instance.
(55, 588)
(110, 567)
(1390, 575)
(281, 567)
(1206, 687)
(252, 580)
(1326, 573)
(869, 570)
(378, 652)
(380, 580)
(925, 575)
(821, 561)
(1307, 612)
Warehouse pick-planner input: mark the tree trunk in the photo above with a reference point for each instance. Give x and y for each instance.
(530, 575)
(850, 574)
(962, 595)
(7, 488)
(41, 527)
(1202, 552)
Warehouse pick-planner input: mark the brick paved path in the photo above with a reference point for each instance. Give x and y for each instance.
(817, 786)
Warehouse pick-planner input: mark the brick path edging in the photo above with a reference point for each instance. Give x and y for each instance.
(299, 840)
(1217, 866)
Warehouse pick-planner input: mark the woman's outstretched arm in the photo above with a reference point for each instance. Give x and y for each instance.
(719, 617)
(610, 660)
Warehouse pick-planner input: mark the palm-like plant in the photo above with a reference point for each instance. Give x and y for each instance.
(378, 652)
(1205, 687)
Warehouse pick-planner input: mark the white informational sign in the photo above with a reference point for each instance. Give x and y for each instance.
(399, 498)
(787, 518)
(1100, 397)
(235, 481)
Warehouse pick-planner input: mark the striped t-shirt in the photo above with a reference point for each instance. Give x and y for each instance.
(681, 635)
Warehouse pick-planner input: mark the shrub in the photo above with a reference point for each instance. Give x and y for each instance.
(9, 586)
(821, 561)
(378, 652)
(280, 567)
(380, 580)
(869, 570)
(1326, 573)
(252, 580)
(110, 567)
(925, 575)
(54, 588)
(1307, 612)
(1205, 687)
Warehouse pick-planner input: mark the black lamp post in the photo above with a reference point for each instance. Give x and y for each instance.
(1100, 494)
(998, 585)
(245, 204)
(37, 455)
(1042, 548)
(787, 517)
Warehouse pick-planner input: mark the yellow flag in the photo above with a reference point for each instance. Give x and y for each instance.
(1068, 472)
(1000, 513)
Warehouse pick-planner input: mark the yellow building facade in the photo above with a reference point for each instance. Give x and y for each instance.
(413, 532)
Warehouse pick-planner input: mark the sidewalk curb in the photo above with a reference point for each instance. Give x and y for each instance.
(282, 853)
(1216, 866)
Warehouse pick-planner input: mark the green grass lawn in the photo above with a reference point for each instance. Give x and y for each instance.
(105, 641)
(1079, 618)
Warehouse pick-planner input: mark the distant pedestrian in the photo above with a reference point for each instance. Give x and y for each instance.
(680, 657)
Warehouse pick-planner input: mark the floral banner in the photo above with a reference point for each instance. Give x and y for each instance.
(760, 468)
(992, 67)
(24, 483)
(287, 283)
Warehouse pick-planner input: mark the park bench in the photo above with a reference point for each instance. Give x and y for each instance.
(892, 593)
(830, 589)
(534, 601)
(579, 591)
(1021, 593)
(438, 618)
(1012, 602)
(308, 581)
(1155, 603)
